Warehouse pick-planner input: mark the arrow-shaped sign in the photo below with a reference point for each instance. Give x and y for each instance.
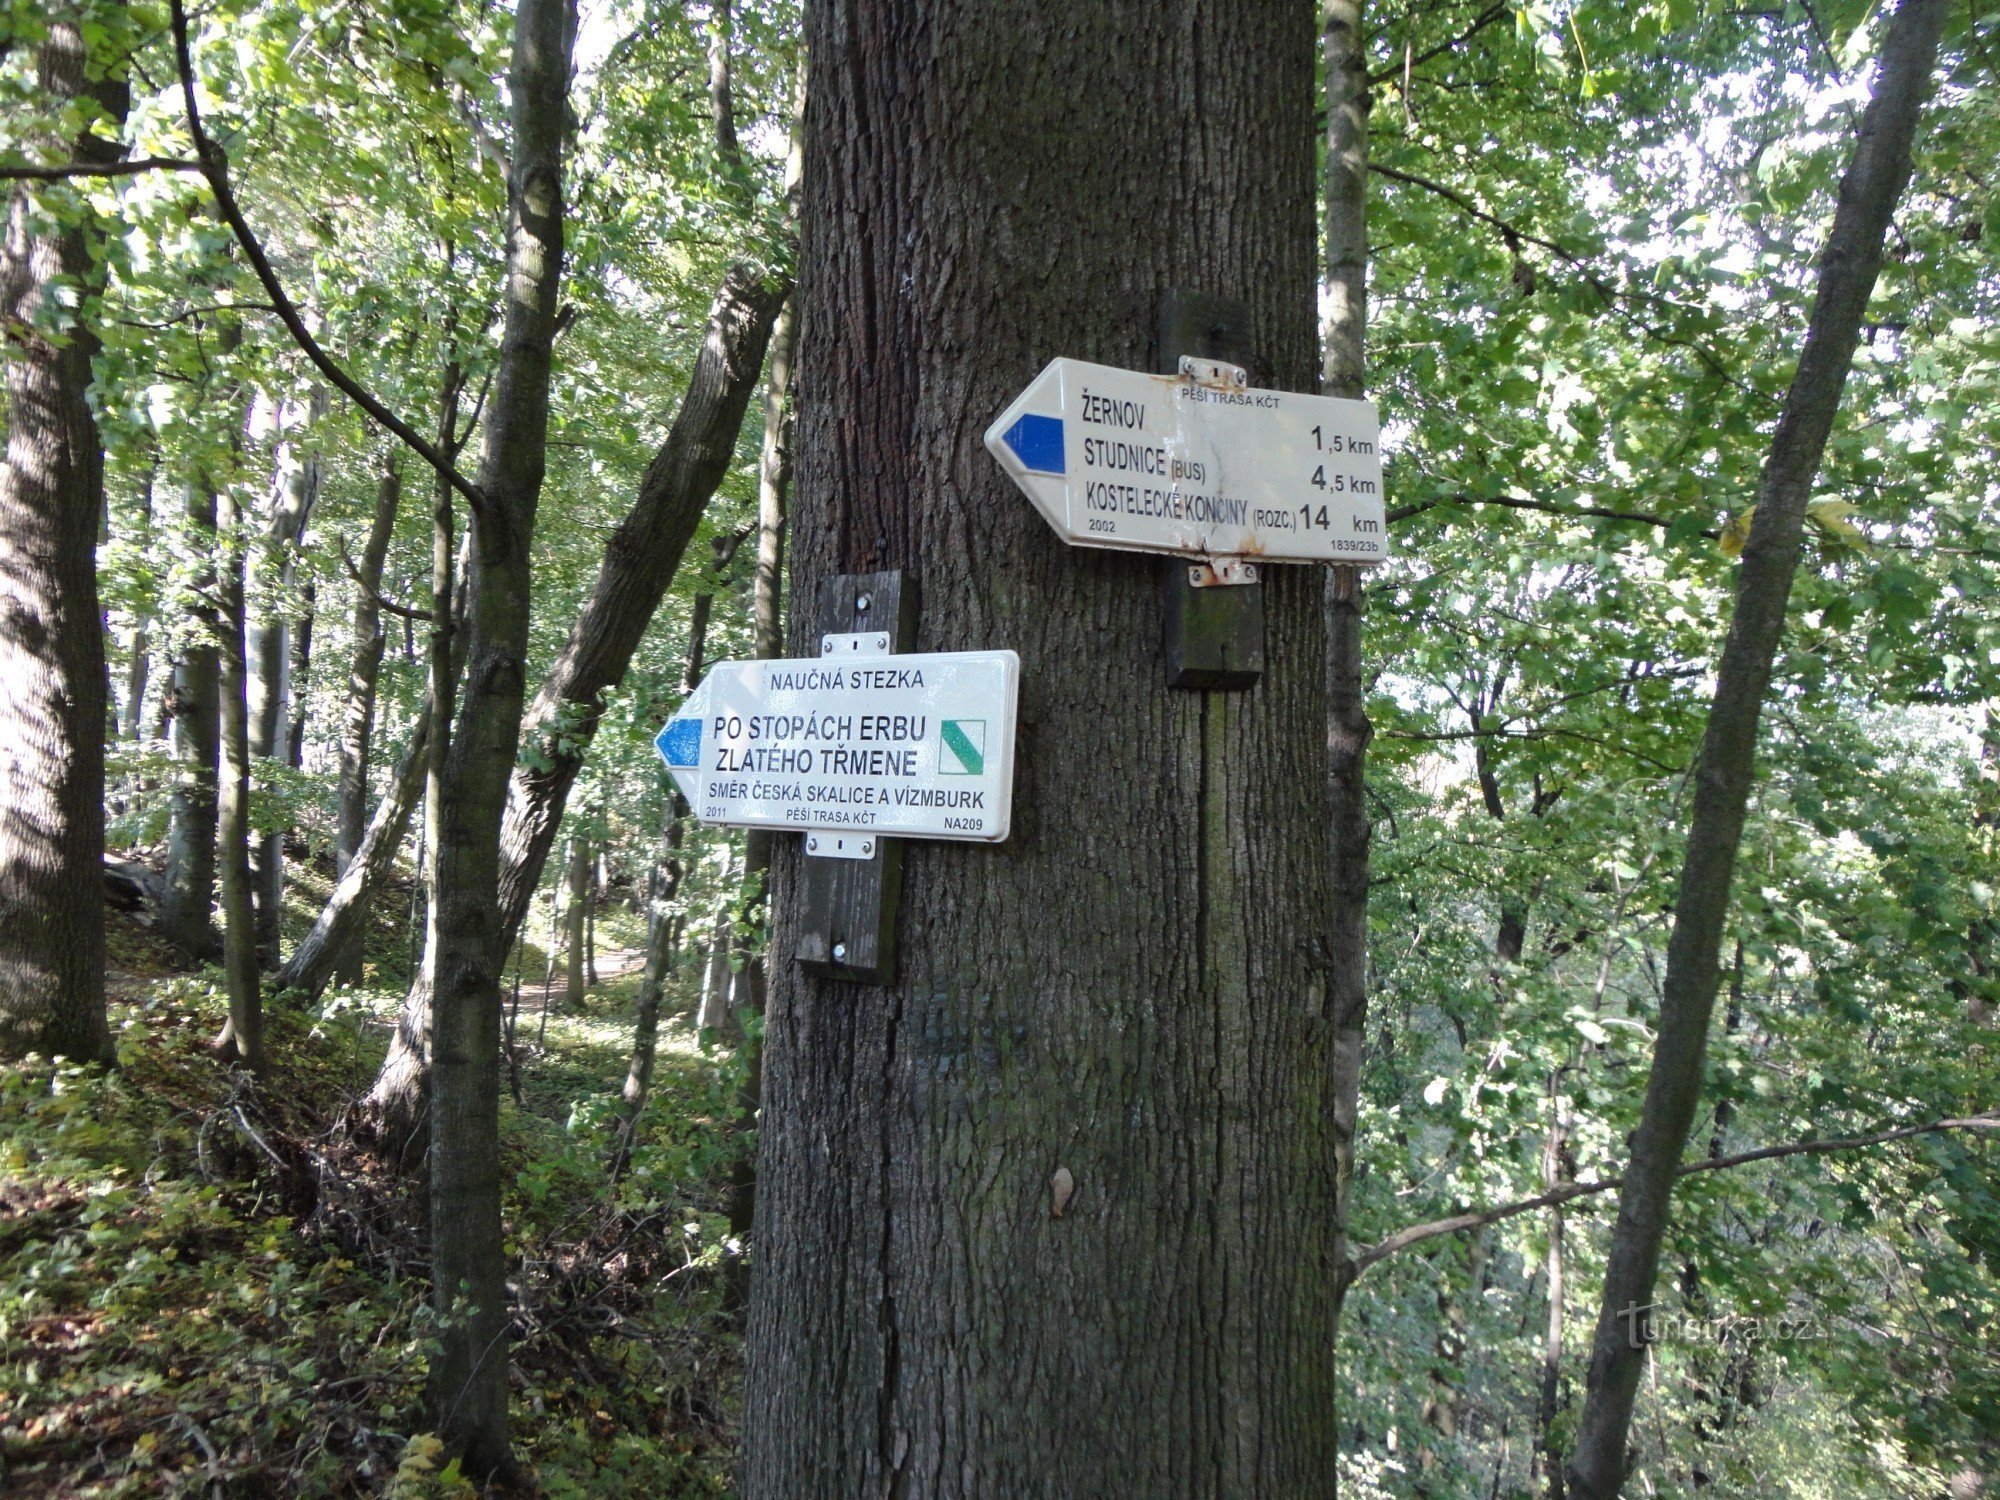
(1201, 467)
(918, 746)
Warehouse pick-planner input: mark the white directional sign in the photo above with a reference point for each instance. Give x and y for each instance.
(1196, 464)
(914, 746)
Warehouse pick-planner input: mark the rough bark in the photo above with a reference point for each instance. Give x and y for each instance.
(1348, 731)
(1874, 181)
(243, 1037)
(1051, 1214)
(468, 1261)
(51, 630)
(640, 560)
(357, 730)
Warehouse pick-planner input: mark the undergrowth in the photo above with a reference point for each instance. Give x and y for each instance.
(205, 1290)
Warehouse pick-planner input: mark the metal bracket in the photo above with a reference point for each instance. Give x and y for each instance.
(1212, 612)
(852, 882)
(1221, 572)
(854, 643)
(1218, 373)
(840, 846)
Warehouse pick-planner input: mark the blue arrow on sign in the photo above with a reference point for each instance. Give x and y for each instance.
(679, 743)
(1038, 443)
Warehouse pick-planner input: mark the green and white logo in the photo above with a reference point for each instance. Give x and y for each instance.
(962, 747)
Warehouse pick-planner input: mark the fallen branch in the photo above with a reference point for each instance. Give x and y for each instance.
(1416, 1234)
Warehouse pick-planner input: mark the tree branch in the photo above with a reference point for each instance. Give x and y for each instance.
(405, 611)
(1485, 19)
(68, 169)
(1522, 502)
(1515, 237)
(214, 166)
(1416, 1234)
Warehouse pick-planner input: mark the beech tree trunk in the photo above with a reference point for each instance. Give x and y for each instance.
(300, 672)
(752, 987)
(467, 949)
(243, 1037)
(342, 922)
(575, 978)
(188, 899)
(662, 919)
(269, 658)
(357, 730)
(139, 667)
(640, 561)
(1052, 1213)
(1348, 731)
(396, 1108)
(52, 714)
(1874, 181)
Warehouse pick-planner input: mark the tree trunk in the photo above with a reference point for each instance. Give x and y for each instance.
(1347, 728)
(300, 673)
(51, 629)
(139, 668)
(357, 731)
(1556, 1170)
(1052, 1213)
(640, 560)
(662, 921)
(1876, 174)
(468, 1385)
(574, 979)
(396, 1109)
(272, 680)
(342, 922)
(713, 1012)
(774, 480)
(590, 898)
(243, 1037)
(185, 913)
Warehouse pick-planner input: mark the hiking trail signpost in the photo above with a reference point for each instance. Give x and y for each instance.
(1199, 464)
(852, 746)
(858, 748)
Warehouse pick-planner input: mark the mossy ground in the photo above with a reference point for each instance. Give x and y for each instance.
(205, 1289)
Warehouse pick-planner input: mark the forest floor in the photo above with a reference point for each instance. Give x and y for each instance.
(207, 1289)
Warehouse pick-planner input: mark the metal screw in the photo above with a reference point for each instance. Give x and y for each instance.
(1242, 377)
(840, 953)
(826, 645)
(1187, 365)
(812, 846)
(881, 643)
(867, 846)
(862, 602)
